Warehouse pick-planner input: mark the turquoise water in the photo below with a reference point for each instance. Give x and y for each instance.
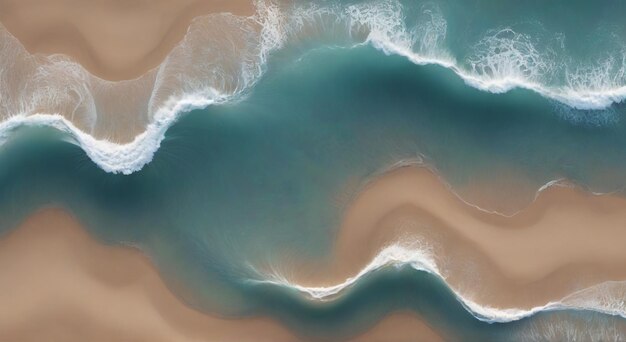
(252, 183)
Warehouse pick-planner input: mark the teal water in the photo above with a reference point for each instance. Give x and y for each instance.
(252, 183)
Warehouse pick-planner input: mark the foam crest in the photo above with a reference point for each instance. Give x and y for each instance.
(120, 125)
(223, 55)
(507, 54)
(414, 253)
(384, 22)
(503, 60)
(606, 298)
(420, 253)
(109, 156)
(430, 31)
(608, 73)
(231, 61)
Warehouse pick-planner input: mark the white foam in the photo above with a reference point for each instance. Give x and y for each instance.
(392, 255)
(208, 68)
(606, 298)
(57, 92)
(111, 157)
(503, 60)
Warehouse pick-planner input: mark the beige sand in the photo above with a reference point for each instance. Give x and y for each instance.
(120, 39)
(564, 241)
(113, 39)
(400, 327)
(57, 284)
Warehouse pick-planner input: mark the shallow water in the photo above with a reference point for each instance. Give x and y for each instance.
(239, 186)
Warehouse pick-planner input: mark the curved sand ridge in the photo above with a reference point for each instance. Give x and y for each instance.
(114, 40)
(564, 251)
(220, 55)
(121, 124)
(57, 284)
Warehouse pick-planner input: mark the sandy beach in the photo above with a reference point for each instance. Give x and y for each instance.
(58, 284)
(226, 153)
(59, 57)
(565, 241)
(400, 327)
(115, 40)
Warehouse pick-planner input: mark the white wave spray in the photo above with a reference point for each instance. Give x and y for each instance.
(607, 297)
(120, 125)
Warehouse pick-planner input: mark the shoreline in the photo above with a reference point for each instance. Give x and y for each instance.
(115, 115)
(261, 218)
(62, 284)
(120, 112)
(543, 254)
(103, 36)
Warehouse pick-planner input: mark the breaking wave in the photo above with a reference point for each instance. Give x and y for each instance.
(606, 297)
(121, 124)
(419, 254)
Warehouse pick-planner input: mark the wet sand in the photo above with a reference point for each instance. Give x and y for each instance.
(400, 327)
(115, 40)
(58, 284)
(150, 47)
(564, 241)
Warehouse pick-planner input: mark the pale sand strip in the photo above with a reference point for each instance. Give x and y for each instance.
(113, 39)
(57, 284)
(565, 241)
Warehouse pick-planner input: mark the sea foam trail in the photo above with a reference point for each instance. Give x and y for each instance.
(120, 125)
(116, 158)
(606, 297)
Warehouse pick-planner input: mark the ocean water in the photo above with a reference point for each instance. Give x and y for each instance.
(227, 185)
